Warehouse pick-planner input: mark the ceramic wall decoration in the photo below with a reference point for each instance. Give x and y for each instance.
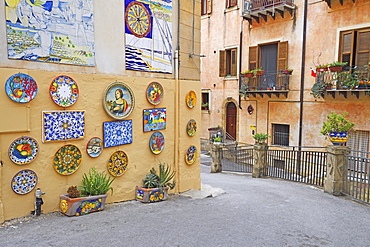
(118, 100)
(156, 142)
(191, 127)
(67, 159)
(23, 150)
(21, 88)
(191, 155)
(24, 182)
(94, 147)
(117, 133)
(191, 99)
(154, 119)
(117, 164)
(64, 91)
(63, 125)
(154, 93)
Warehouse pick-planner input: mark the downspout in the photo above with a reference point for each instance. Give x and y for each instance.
(240, 62)
(177, 96)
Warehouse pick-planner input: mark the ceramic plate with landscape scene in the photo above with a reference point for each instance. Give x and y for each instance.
(191, 99)
(21, 88)
(24, 182)
(23, 150)
(94, 147)
(67, 159)
(154, 93)
(191, 127)
(156, 142)
(118, 100)
(64, 91)
(191, 155)
(117, 164)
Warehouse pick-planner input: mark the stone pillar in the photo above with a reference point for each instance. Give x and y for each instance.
(216, 153)
(260, 162)
(336, 169)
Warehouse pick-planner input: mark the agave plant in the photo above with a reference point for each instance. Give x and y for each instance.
(162, 179)
(96, 183)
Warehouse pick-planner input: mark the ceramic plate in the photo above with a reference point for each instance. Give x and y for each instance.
(64, 91)
(94, 147)
(191, 127)
(191, 155)
(67, 159)
(156, 142)
(154, 93)
(24, 182)
(118, 100)
(23, 150)
(21, 88)
(117, 164)
(191, 99)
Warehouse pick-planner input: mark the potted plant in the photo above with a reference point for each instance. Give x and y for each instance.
(336, 66)
(88, 198)
(156, 185)
(318, 89)
(337, 127)
(258, 71)
(217, 139)
(322, 68)
(287, 71)
(247, 73)
(260, 138)
(205, 106)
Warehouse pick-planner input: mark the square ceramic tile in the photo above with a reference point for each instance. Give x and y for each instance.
(117, 133)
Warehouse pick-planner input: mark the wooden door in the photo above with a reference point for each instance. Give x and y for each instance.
(231, 114)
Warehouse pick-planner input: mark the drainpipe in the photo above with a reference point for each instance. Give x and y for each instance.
(240, 62)
(177, 96)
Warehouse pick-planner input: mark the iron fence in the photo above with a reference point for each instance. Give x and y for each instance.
(358, 175)
(237, 158)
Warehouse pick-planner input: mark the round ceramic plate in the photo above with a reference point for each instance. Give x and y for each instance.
(191, 155)
(23, 150)
(117, 164)
(156, 142)
(21, 88)
(24, 182)
(118, 100)
(64, 91)
(154, 93)
(94, 147)
(191, 127)
(191, 99)
(67, 159)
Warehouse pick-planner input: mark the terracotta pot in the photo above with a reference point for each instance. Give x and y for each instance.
(81, 205)
(260, 72)
(151, 195)
(336, 68)
(248, 75)
(322, 69)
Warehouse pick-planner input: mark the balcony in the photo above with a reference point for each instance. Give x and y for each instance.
(257, 9)
(354, 81)
(340, 1)
(265, 85)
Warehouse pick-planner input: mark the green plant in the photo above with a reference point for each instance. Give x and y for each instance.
(322, 66)
(162, 179)
(217, 139)
(318, 89)
(336, 63)
(336, 123)
(260, 137)
(96, 183)
(246, 72)
(205, 105)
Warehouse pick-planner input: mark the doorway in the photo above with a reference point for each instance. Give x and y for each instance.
(231, 114)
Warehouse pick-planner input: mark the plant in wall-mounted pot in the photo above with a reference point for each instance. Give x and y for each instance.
(322, 68)
(88, 198)
(336, 127)
(156, 185)
(287, 71)
(336, 66)
(247, 73)
(260, 138)
(258, 71)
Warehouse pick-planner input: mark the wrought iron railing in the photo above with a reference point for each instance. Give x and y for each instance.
(257, 5)
(237, 158)
(266, 82)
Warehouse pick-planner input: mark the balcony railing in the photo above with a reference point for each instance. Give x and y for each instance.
(269, 83)
(256, 9)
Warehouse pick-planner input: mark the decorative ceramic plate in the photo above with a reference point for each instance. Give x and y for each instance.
(118, 100)
(191, 155)
(154, 93)
(67, 159)
(21, 88)
(138, 19)
(117, 164)
(94, 147)
(24, 182)
(191, 127)
(64, 91)
(156, 142)
(23, 150)
(191, 99)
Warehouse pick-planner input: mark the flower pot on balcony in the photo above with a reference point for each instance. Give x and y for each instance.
(287, 72)
(321, 69)
(336, 68)
(248, 74)
(260, 72)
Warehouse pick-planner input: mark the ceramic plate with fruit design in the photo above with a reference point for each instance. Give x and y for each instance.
(23, 150)
(64, 91)
(21, 88)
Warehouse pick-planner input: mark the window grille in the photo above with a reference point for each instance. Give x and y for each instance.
(280, 134)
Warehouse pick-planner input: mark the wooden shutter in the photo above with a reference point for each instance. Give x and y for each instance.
(363, 48)
(346, 52)
(282, 55)
(253, 57)
(222, 63)
(203, 8)
(234, 66)
(209, 7)
(233, 3)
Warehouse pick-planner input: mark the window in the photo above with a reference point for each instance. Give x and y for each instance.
(205, 100)
(206, 7)
(359, 140)
(228, 62)
(355, 47)
(280, 134)
(231, 3)
(259, 57)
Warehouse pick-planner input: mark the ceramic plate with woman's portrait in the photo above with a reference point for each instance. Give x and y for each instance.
(118, 100)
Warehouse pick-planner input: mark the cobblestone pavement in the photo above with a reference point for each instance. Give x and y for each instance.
(252, 212)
